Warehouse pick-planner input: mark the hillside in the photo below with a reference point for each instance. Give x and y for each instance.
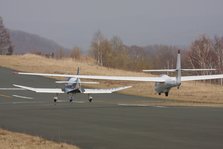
(26, 42)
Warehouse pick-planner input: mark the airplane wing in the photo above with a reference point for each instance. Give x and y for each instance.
(101, 91)
(41, 90)
(203, 77)
(125, 78)
(115, 78)
(59, 90)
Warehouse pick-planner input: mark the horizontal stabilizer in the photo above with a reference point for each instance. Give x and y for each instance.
(81, 82)
(198, 69)
(174, 70)
(160, 70)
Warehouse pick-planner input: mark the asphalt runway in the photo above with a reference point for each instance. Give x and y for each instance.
(110, 121)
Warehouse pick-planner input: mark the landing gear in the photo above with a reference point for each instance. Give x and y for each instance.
(159, 93)
(178, 87)
(55, 98)
(166, 94)
(90, 98)
(71, 98)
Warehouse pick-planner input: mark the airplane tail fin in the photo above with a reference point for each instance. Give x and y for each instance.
(69, 78)
(178, 68)
(78, 70)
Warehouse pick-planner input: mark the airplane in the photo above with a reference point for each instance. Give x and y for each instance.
(163, 84)
(72, 86)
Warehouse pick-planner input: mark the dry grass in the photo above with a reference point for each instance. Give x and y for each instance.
(190, 92)
(12, 140)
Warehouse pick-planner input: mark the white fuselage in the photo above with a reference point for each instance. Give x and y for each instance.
(73, 86)
(164, 87)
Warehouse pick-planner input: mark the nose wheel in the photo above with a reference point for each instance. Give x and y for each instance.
(71, 98)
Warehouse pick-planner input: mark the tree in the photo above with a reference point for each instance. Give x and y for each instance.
(60, 53)
(138, 58)
(201, 54)
(118, 53)
(218, 49)
(5, 43)
(75, 53)
(99, 47)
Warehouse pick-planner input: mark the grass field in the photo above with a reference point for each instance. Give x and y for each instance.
(12, 140)
(196, 93)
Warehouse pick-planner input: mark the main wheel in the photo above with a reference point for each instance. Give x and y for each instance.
(90, 99)
(55, 99)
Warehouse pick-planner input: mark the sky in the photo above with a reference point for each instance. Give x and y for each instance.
(137, 22)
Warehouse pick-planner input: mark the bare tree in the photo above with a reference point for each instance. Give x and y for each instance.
(118, 53)
(75, 53)
(5, 43)
(218, 49)
(60, 53)
(96, 47)
(201, 54)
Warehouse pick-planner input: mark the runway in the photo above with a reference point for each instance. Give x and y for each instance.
(110, 121)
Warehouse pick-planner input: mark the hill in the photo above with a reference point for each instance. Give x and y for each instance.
(31, 43)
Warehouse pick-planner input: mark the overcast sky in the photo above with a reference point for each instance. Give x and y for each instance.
(141, 22)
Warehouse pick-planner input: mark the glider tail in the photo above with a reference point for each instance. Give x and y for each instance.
(178, 68)
(78, 70)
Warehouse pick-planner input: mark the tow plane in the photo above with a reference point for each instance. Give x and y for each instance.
(72, 87)
(163, 84)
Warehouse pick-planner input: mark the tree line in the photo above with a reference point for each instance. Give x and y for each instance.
(204, 52)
